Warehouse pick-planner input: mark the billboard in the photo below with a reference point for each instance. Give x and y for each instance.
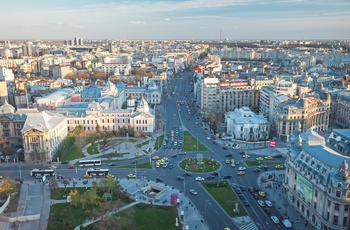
(272, 143)
(304, 188)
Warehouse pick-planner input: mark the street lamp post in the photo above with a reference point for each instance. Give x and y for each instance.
(197, 141)
(20, 173)
(184, 185)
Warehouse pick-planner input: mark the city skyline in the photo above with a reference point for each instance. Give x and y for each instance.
(196, 19)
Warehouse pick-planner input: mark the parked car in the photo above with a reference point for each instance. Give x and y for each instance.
(275, 219)
(267, 211)
(268, 203)
(246, 203)
(261, 203)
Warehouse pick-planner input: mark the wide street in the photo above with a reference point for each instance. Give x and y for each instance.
(173, 115)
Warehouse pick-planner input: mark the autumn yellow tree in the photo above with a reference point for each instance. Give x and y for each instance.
(7, 186)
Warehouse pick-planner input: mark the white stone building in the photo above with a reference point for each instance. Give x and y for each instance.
(243, 124)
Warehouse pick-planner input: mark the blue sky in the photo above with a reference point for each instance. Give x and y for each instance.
(176, 19)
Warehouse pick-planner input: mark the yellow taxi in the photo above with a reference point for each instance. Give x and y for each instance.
(279, 167)
(109, 176)
(241, 173)
(269, 158)
(52, 167)
(155, 158)
(131, 176)
(259, 159)
(246, 156)
(87, 176)
(262, 194)
(233, 161)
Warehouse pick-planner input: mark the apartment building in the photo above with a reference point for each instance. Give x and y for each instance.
(316, 182)
(311, 113)
(342, 113)
(3, 92)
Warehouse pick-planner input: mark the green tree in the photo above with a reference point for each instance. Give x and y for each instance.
(75, 196)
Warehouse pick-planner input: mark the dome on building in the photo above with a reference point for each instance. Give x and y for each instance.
(6, 108)
(143, 105)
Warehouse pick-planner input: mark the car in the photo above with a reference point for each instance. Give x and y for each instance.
(241, 173)
(192, 191)
(269, 158)
(234, 185)
(228, 155)
(199, 179)
(251, 190)
(187, 174)
(241, 197)
(131, 176)
(246, 203)
(170, 166)
(261, 203)
(275, 219)
(268, 203)
(255, 196)
(211, 177)
(287, 223)
(243, 188)
(159, 180)
(86, 176)
(180, 178)
(109, 176)
(279, 156)
(71, 167)
(241, 168)
(208, 138)
(262, 194)
(267, 211)
(259, 159)
(155, 158)
(215, 143)
(65, 162)
(227, 177)
(112, 164)
(224, 147)
(238, 191)
(242, 153)
(279, 167)
(256, 170)
(227, 162)
(256, 189)
(215, 174)
(52, 167)
(174, 155)
(246, 156)
(237, 162)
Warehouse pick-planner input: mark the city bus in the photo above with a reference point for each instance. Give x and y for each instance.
(42, 172)
(97, 172)
(94, 162)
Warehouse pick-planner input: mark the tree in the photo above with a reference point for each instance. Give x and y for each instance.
(69, 76)
(99, 74)
(8, 186)
(53, 186)
(91, 196)
(75, 197)
(65, 184)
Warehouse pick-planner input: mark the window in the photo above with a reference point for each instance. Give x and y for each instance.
(336, 207)
(337, 193)
(335, 219)
(316, 192)
(346, 208)
(329, 203)
(345, 221)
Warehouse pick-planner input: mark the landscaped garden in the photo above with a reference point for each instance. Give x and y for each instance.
(192, 144)
(225, 196)
(252, 163)
(195, 164)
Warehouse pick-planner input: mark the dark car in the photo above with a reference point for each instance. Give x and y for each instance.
(112, 164)
(257, 170)
(159, 180)
(174, 155)
(251, 190)
(65, 162)
(255, 196)
(224, 147)
(228, 155)
(246, 203)
(267, 211)
(242, 153)
(241, 197)
(187, 174)
(215, 174)
(243, 189)
(263, 167)
(180, 178)
(227, 177)
(279, 156)
(211, 177)
(238, 191)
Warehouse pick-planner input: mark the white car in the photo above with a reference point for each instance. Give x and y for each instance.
(208, 138)
(193, 191)
(275, 219)
(268, 203)
(199, 179)
(261, 203)
(242, 168)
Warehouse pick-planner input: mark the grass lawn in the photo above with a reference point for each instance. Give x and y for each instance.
(159, 142)
(72, 153)
(142, 144)
(111, 155)
(93, 149)
(145, 165)
(190, 144)
(61, 193)
(252, 163)
(191, 165)
(225, 196)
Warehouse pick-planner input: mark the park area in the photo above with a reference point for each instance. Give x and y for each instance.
(199, 164)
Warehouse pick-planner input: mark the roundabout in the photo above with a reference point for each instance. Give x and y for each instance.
(200, 164)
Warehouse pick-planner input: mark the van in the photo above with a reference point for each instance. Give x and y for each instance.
(287, 223)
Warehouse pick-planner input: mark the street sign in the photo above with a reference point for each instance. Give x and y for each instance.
(272, 143)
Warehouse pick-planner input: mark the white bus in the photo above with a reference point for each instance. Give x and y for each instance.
(97, 172)
(42, 172)
(94, 162)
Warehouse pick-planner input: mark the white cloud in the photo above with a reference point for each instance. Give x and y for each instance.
(167, 19)
(138, 23)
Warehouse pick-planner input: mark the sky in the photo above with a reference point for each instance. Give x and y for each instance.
(175, 19)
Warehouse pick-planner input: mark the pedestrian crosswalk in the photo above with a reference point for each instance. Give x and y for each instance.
(250, 226)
